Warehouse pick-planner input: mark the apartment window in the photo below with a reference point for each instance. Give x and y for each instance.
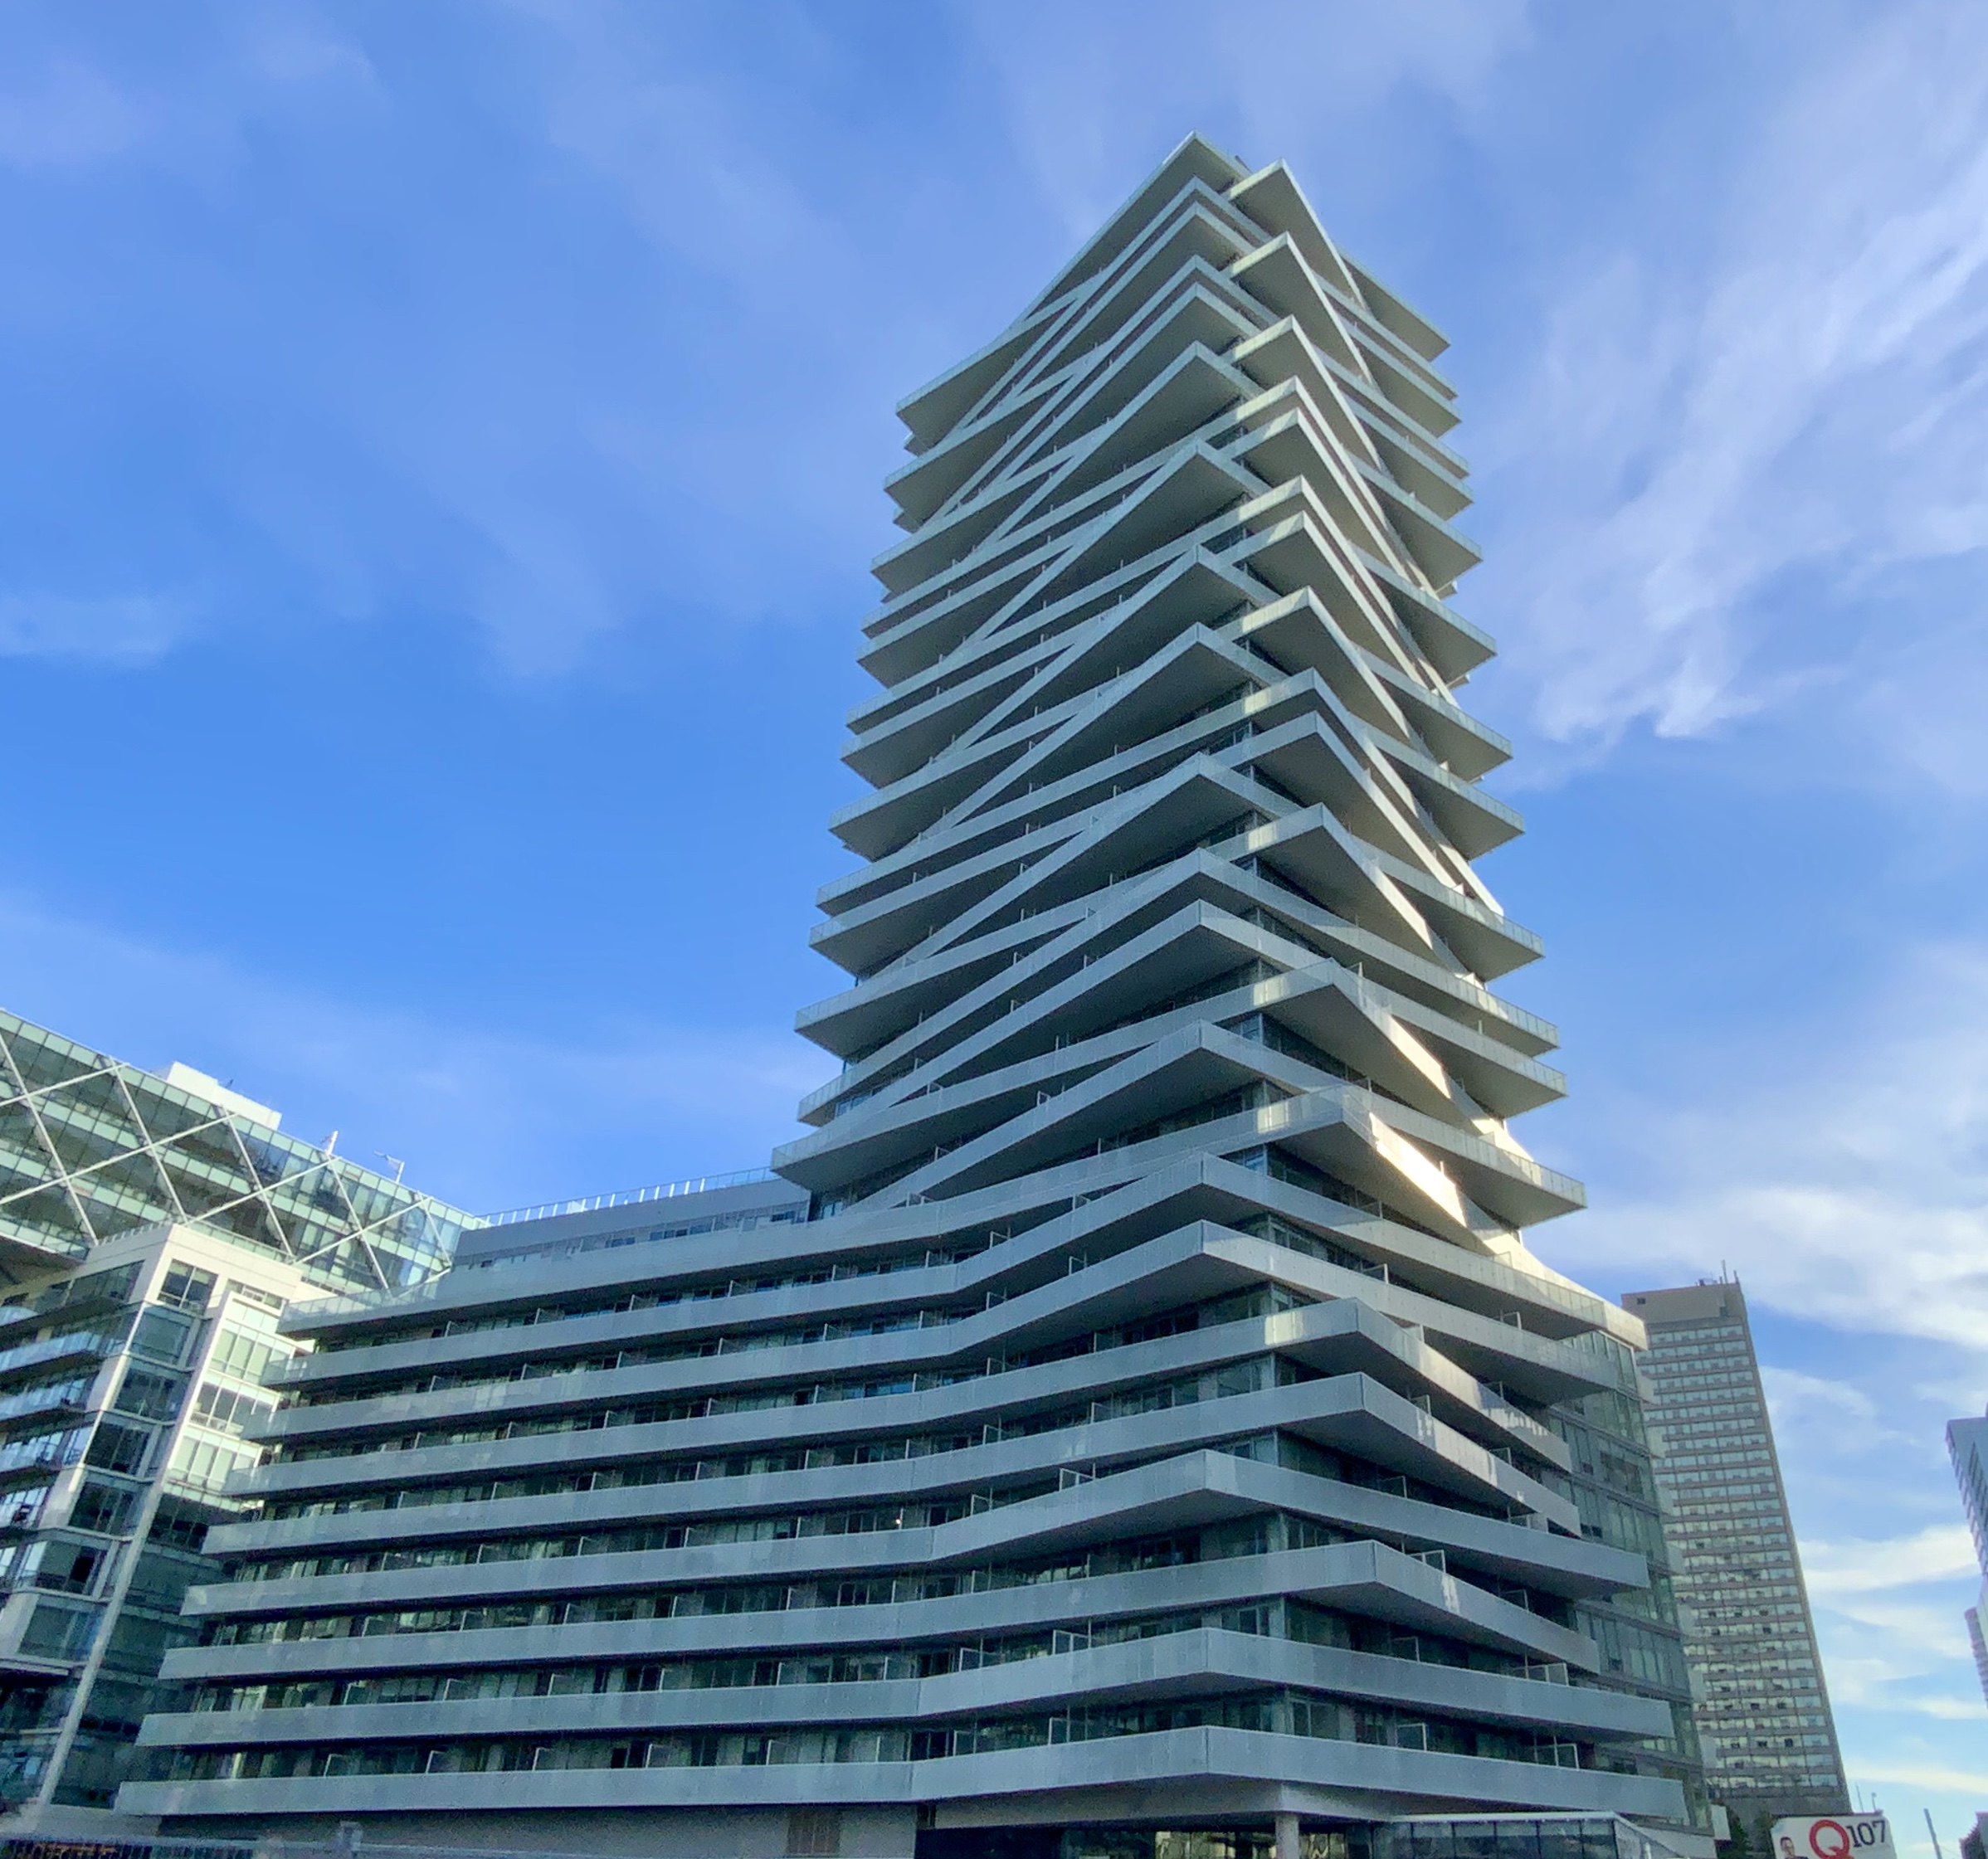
(113, 1286)
(202, 1462)
(179, 1526)
(162, 1335)
(68, 1568)
(57, 1632)
(150, 1394)
(118, 1448)
(187, 1287)
(228, 1410)
(105, 1508)
(812, 1832)
(246, 1357)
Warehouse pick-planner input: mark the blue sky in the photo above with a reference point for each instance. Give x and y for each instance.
(442, 455)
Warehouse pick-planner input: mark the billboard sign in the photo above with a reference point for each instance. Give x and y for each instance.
(1834, 1837)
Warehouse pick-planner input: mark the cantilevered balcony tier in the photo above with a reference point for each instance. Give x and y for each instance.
(1346, 1413)
(1192, 589)
(1034, 738)
(1169, 385)
(1199, 239)
(1110, 558)
(1199, 1488)
(1337, 1336)
(1500, 1323)
(1195, 162)
(883, 1021)
(1202, 1773)
(1068, 1009)
(1194, 1663)
(1272, 197)
(1277, 276)
(1274, 200)
(1459, 1185)
(1370, 426)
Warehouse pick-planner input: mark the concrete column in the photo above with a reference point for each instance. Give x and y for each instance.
(1287, 1836)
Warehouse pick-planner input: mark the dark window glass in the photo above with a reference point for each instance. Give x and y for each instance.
(162, 1335)
(150, 1394)
(187, 1287)
(118, 1448)
(105, 1508)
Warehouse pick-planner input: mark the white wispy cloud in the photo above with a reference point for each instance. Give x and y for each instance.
(1092, 94)
(1937, 1553)
(119, 630)
(1738, 427)
(1938, 1706)
(64, 114)
(1827, 1422)
(1846, 1179)
(1929, 1775)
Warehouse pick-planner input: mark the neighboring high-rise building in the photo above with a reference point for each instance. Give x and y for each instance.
(1968, 1443)
(128, 1386)
(152, 1230)
(91, 1148)
(1764, 1709)
(1159, 1424)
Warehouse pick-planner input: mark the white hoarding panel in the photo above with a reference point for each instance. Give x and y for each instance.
(1834, 1837)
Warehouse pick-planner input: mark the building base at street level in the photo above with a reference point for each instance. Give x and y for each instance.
(47, 1824)
(911, 1832)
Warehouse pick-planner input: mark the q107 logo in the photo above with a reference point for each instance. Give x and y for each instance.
(1831, 1839)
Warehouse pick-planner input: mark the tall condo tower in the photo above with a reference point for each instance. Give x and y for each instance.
(1764, 1710)
(1171, 1033)
(1154, 1439)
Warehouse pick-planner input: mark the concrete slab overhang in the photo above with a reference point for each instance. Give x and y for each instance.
(1373, 1781)
(1201, 1663)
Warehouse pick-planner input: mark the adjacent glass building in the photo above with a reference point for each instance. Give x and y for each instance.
(1134, 1424)
(1770, 1738)
(91, 1148)
(152, 1231)
(1612, 1479)
(127, 1390)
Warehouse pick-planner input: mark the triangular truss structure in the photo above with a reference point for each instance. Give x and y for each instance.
(92, 1147)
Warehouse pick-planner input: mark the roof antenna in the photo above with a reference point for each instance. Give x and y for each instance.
(1931, 1834)
(331, 1142)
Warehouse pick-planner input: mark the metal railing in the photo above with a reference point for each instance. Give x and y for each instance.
(630, 1197)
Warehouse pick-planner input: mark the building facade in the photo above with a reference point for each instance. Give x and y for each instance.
(1967, 1445)
(1138, 1417)
(129, 1386)
(1770, 1738)
(152, 1230)
(1612, 1480)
